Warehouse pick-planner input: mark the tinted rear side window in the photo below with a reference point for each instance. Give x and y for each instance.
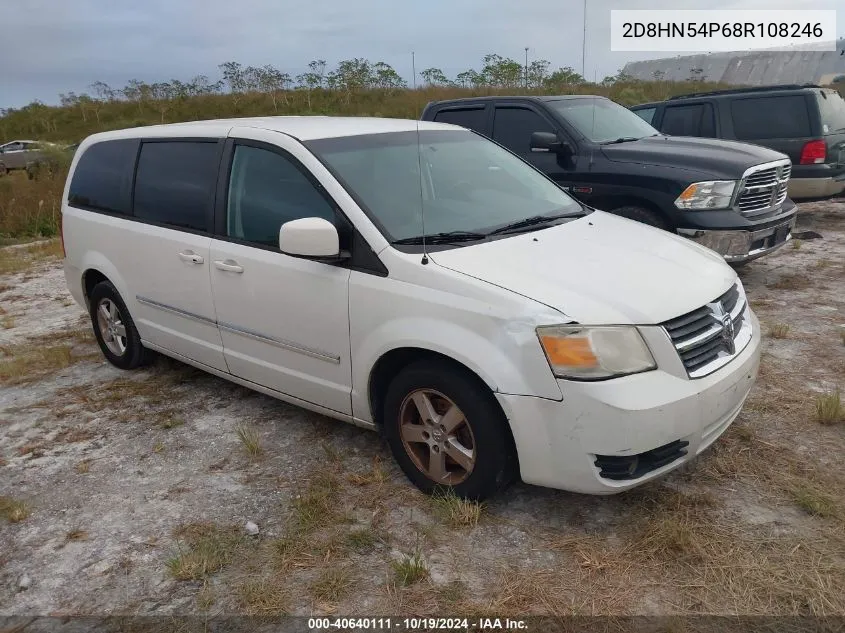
(102, 180)
(175, 183)
(771, 117)
(472, 118)
(832, 109)
(689, 120)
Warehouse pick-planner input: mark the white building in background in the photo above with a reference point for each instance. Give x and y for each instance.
(755, 68)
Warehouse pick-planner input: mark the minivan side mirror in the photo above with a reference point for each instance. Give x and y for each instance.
(310, 237)
(549, 142)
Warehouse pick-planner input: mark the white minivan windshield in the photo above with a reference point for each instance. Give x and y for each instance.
(449, 185)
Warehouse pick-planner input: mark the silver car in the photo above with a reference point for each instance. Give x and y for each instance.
(18, 154)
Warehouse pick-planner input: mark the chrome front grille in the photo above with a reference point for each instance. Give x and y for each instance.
(707, 338)
(763, 187)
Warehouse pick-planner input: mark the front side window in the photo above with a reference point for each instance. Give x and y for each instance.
(771, 117)
(513, 127)
(601, 120)
(266, 189)
(102, 180)
(448, 180)
(174, 183)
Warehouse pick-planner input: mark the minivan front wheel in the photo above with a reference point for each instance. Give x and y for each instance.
(446, 431)
(114, 329)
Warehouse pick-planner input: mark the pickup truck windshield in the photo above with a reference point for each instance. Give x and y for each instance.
(466, 185)
(601, 120)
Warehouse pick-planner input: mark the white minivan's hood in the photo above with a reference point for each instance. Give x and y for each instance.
(600, 269)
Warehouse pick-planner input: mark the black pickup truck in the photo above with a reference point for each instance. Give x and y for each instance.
(728, 196)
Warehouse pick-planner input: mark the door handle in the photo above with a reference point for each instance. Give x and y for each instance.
(229, 265)
(191, 256)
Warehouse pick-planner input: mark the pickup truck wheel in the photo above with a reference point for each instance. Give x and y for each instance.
(114, 328)
(447, 432)
(3, 170)
(640, 214)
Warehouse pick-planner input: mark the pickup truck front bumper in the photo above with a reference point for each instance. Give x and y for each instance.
(738, 246)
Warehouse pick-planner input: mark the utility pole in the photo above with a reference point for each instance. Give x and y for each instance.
(526, 68)
(584, 44)
(413, 70)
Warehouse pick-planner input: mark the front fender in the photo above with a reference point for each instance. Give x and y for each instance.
(510, 362)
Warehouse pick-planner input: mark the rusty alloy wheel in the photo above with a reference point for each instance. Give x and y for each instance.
(437, 436)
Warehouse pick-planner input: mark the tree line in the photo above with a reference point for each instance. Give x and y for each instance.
(348, 77)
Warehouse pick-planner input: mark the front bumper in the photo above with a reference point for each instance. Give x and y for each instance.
(560, 443)
(743, 245)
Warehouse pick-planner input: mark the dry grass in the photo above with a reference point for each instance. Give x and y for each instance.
(14, 510)
(796, 244)
(263, 597)
(779, 330)
(18, 259)
(332, 584)
(76, 534)
(363, 540)
(376, 476)
(456, 511)
(7, 322)
(170, 421)
(250, 439)
(83, 467)
(26, 363)
(410, 569)
(204, 549)
(791, 281)
(829, 408)
(317, 505)
(814, 501)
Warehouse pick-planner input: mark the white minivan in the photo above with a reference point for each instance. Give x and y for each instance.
(418, 279)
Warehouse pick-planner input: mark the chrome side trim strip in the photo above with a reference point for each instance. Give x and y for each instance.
(288, 345)
(180, 312)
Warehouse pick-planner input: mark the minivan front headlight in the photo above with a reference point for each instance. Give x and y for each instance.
(594, 352)
(711, 194)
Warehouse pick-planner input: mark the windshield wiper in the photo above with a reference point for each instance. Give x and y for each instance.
(448, 237)
(622, 139)
(531, 222)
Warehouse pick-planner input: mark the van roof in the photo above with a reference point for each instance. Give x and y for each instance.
(303, 128)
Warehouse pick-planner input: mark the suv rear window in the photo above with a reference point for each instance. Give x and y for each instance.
(472, 118)
(175, 183)
(102, 180)
(832, 110)
(771, 117)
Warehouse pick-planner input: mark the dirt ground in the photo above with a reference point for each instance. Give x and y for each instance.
(129, 492)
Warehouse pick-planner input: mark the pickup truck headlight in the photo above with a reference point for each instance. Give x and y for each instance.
(711, 194)
(589, 353)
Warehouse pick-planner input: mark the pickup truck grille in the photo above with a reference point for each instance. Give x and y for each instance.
(763, 188)
(707, 338)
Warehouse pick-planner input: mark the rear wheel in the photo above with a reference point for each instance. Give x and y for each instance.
(446, 431)
(641, 214)
(114, 328)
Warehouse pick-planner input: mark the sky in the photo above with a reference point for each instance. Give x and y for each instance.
(54, 46)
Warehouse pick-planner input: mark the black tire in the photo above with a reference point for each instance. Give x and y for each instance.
(495, 461)
(134, 354)
(641, 214)
(3, 170)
